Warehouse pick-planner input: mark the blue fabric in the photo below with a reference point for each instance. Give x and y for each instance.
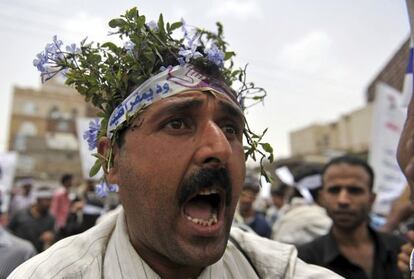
(260, 225)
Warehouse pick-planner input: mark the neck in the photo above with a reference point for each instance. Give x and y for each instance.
(35, 211)
(163, 266)
(247, 213)
(354, 237)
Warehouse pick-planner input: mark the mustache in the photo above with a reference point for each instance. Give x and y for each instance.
(205, 178)
(344, 211)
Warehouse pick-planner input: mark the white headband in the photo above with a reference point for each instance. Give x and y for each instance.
(170, 82)
(43, 194)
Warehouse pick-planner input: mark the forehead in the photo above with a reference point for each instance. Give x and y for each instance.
(344, 173)
(193, 100)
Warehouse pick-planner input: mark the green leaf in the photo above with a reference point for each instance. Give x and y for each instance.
(117, 22)
(176, 25)
(111, 46)
(141, 22)
(229, 55)
(95, 168)
(95, 58)
(267, 147)
(131, 13)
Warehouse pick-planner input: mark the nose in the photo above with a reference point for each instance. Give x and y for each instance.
(214, 149)
(343, 198)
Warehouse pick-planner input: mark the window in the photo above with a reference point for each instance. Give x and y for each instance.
(27, 129)
(29, 108)
(54, 112)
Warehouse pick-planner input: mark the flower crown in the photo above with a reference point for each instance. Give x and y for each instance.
(106, 74)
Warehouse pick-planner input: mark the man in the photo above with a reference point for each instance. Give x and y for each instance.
(35, 224)
(13, 250)
(352, 248)
(250, 216)
(61, 203)
(174, 147)
(24, 198)
(278, 200)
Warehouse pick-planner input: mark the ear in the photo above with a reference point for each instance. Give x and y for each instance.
(110, 153)
(321, 197)
(372, 198)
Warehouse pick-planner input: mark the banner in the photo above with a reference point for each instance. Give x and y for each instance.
(388, 120)
(8, 163)
(87, 160)
(408, 79)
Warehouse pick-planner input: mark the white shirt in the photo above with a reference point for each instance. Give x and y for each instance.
(300, 223)
(105, 251)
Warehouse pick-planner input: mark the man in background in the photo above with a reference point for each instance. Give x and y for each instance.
(278, 200)
(24, 198)
(61, 203)
(255, 220)
(35, 224)
(13, 250)
(352, 249)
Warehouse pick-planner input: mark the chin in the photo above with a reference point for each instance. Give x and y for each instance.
(202, 255)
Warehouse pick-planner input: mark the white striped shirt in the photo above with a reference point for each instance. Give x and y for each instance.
(106, 252)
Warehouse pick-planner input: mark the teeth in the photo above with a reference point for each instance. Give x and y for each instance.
(208, 192)
(211, 221)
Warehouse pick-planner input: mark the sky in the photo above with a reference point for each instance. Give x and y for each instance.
(314, 58)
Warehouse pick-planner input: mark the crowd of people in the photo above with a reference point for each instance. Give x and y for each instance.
(39, 216)
(172, 141)
(325, 214)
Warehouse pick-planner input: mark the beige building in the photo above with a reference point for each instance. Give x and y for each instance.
(43, 130)
(351, 133)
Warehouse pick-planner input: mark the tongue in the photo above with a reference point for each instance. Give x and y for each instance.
(198, 208)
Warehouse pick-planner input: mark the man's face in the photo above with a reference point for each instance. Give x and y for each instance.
(27, 188)
(346, 195)
(44, 205)
(246, 200)
(180, 172)
(278, 201)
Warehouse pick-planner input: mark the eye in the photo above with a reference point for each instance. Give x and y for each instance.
(176, 124)
(354, 190)
(230, 129)
(333, 190)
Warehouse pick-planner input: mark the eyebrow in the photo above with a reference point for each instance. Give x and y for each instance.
(178, 107)
(232, 110)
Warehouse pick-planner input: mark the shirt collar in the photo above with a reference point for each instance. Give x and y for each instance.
(331, 249)
(121, 257)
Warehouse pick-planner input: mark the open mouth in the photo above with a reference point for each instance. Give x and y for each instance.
(205, 207)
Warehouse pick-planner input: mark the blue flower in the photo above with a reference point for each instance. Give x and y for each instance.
(189, 53)
(40, 61)
(181, 61)
(191, 42)
(152, 25)
(48, 61)
(102, 188)
(129, 46)
(57, 42)
(72, 49)
(215, 55)
(184, 27)
(91, 135)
